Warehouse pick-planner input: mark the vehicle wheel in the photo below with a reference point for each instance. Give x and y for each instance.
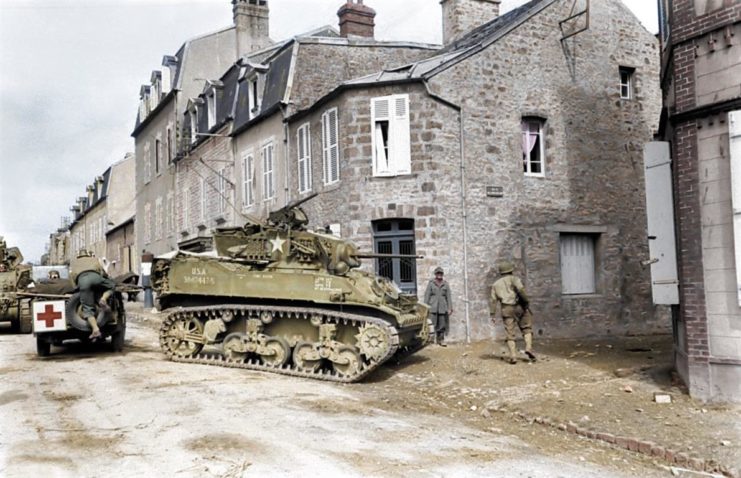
(43, 348)
(118, 337)
(25, 324)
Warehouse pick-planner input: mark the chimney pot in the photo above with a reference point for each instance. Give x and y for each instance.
(356, 19)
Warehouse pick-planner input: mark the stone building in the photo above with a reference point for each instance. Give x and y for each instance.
(701, 124)
(121, 207)
(236, 150)
(89, 225)
(521, 139)
(158, 133)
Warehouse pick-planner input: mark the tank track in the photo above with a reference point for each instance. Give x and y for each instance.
(332, 317)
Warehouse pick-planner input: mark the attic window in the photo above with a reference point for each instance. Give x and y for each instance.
(255, 96)
(193, 125)
(211, 105)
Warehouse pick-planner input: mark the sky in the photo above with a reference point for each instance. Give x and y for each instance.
(70, 73)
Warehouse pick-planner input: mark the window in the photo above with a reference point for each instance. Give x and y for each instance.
(255, 98)
(330, 147)
(303, 138)
(248, 180)
(147, 164)
(391, 137)
(169, 145)
(185, 220)
(193, 125)
(204, 198)
(533, 150)
(157, 156)
(578, 263)
(158, 219)
(170, 220)
(147, 223)
(221, 207)
(211, 108)
(267, 171)
(396, 236)
(626, 83)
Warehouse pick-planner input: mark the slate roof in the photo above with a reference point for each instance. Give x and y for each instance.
(469, 44)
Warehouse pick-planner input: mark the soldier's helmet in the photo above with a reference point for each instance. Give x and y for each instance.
(505, 267)
(85, 253)
(53, 274)
(439, 270)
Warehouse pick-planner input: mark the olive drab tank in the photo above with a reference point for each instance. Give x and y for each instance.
(14, 278)
(279, 298)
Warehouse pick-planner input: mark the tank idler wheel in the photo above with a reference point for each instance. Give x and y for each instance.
(346, 362)
(373, 341)
(234, 347)
(184, 337)
(306, 357)
(275, 352)
(43, 347)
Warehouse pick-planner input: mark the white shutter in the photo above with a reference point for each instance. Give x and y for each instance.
(301, 159)
(325, 148)
(734, 137)
(660, 216)
(399, 137)
(380, 111)
(334, 147)
(577, 264)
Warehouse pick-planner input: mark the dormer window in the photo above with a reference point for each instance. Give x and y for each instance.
(156, 92)
(211, 105)
(193, 114)
(255, 96)
(144, 102)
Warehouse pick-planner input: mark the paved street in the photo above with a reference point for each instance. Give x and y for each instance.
(86, 412)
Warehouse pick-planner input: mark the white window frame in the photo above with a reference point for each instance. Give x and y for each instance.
(147, 163)
(303, 149)
(158, 218)
(626, 82)
(526, 127)
(391, 156)
(157, 156)
(169, 144)
(147, 223)
(578, 257)
(254, 95)
(193, 125)
(248, 179)
(330, 149)
(268, 172)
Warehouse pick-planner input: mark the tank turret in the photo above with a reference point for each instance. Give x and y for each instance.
(276, 296)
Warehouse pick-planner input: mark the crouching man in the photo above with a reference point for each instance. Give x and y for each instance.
(88, 273)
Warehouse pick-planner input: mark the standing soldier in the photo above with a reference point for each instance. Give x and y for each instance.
(509, 291)
(87, 272)
(438, 297)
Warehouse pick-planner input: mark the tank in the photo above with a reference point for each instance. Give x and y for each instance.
(15, 277)
(277, 297)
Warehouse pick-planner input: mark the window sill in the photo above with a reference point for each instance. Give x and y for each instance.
(393, 176)
(533, 175)
(581, 296)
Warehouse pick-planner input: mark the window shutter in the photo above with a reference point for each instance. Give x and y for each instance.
(660, 217)
(399, 137)
(380, 111)
(334, 147)
(301, 160)
(577, 264)
(325, 149)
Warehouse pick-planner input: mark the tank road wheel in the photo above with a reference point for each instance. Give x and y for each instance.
(43, 347)
(234, 347)
(276, 352)
(183, 337)
(306, 357)
(373, 341)
(347, 361)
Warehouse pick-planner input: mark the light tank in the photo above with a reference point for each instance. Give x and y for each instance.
(14, 278)
(277, 297)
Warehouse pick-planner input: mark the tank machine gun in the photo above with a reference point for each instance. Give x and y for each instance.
(281, 298)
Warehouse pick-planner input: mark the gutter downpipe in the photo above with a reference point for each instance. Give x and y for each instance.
(464, 206)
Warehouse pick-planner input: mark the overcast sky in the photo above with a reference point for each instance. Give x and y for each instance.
(70, 72)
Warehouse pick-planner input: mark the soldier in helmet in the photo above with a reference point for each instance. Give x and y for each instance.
(88, 273)
(510, 292)
(438, 297)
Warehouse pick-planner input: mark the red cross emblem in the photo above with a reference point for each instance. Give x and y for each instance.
(49, 315)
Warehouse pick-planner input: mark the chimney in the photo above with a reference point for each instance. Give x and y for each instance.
(462, 16)
(356, 19)
(251, 21)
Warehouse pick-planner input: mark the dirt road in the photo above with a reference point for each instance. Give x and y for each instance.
(91, 413)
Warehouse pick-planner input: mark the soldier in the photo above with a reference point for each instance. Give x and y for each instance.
(438, 297)
(53, 274)
(87, 272)
(509, 291)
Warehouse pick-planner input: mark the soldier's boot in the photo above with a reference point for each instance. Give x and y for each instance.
(441, 339)
(529, 347)
(512, 352)
(96, 330)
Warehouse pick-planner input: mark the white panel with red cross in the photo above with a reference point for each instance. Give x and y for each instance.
(49, 316)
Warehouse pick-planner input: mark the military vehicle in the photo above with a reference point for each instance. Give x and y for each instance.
(57, 319)
(276, 297)
(15, 277)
